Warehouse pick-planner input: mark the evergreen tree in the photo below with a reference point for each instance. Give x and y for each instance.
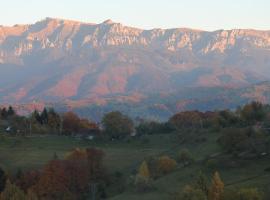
(44, 116)
(10, 111)
(4, 113)
(36, 117)
(3, 179)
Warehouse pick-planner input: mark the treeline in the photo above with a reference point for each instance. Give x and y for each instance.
(46, 122)
(243, 132)
(251, 114)
(116, 125)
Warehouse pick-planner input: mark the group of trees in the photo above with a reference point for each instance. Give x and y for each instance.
(68, 123)
(80, 175)
(239, 140)
(48, 121)
(151, 169)
(200, 189)
(115, 124)
(249, 114)
(7, 112)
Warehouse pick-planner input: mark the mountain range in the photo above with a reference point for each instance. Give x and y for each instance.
(94, 68)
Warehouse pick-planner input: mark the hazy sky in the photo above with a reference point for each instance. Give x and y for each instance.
(201, 14)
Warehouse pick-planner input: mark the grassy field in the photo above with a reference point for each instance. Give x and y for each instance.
(34, 152)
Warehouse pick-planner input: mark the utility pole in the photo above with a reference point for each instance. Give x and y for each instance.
(30, 126)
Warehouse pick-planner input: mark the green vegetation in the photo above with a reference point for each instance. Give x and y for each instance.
(175, 162)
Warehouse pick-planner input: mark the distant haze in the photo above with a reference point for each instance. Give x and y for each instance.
(146, 14)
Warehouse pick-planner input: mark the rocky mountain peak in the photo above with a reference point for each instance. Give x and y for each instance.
(108, 21)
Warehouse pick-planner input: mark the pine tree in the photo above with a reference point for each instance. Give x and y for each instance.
(44, 116)
(4, 113)
(3, 179)
(216, 190)
(10, 111)
(36, 117)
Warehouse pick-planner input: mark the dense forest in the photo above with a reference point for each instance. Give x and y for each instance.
(200, 148)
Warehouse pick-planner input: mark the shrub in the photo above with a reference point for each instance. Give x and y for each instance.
(166, 164)
(249, 194)
(243, 194)
(185, 157)
(190, 193)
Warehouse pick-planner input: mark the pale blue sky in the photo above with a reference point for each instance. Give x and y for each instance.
(201, 14)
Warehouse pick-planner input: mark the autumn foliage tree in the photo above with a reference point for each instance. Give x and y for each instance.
(166, 164)
(216, 189)
(73, 124)
(26, 180)
(253, 112)
(70, 178)
(117, 125)
(185, 157)
(53, 183)
(142, 180)
(191, 193)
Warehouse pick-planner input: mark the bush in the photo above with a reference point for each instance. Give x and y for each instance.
(190, 193)
(212, 163)
(243, 194)
(166, 164)
(185, 157)
(249, 194)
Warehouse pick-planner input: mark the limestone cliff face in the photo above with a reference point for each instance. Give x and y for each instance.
(59, 59)
(71, 35)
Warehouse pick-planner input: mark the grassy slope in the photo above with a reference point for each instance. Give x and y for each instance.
(30, 153)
